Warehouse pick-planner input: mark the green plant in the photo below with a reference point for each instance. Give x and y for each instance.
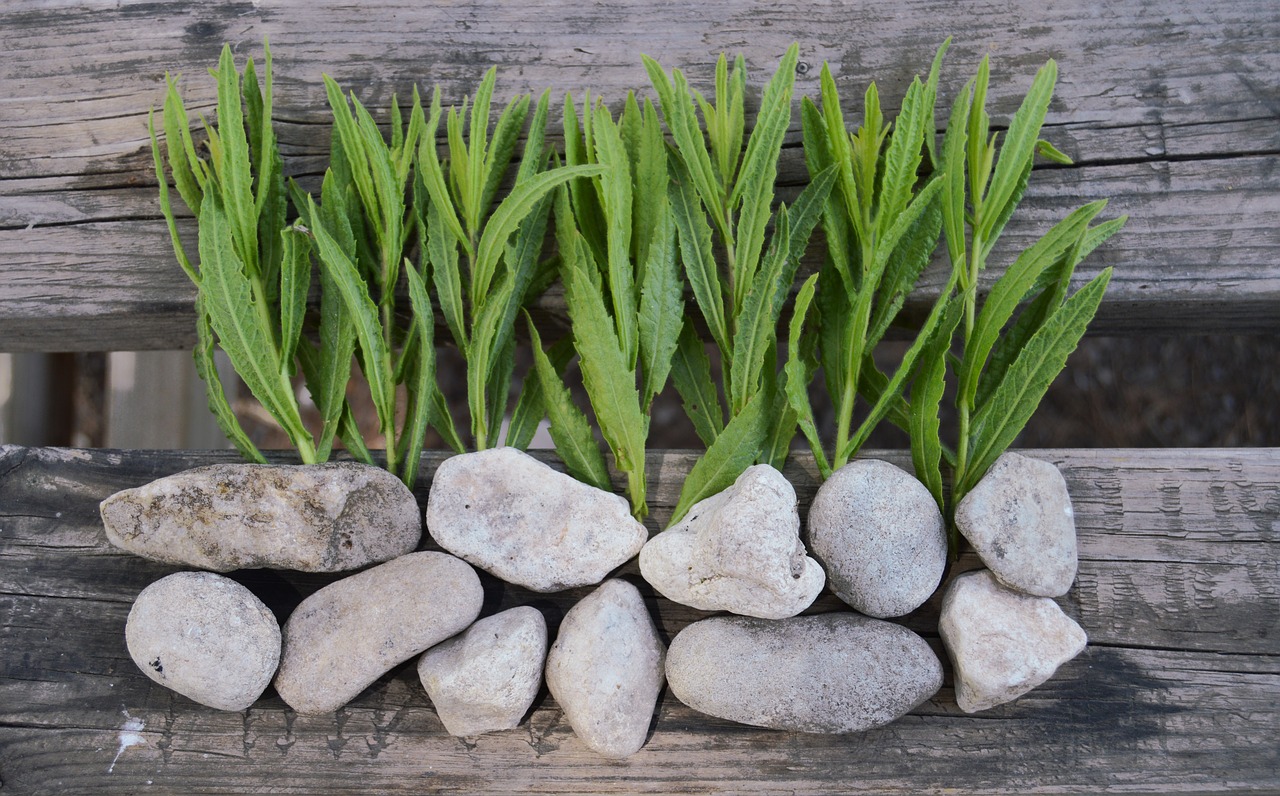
(733, 186)
(254, 271)
(1005, 364)
(882, 225)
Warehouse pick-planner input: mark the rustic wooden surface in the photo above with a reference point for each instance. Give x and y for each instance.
(1168, 107)
(1179, 690)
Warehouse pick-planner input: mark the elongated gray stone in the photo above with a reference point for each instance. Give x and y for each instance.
(881, 537)
(348, 634)
(514, 517)
(314, 518)
(206, 637)
(830, 673)
(1002, 643)
(605, 669)
(486, 678)
(1020, 522)
(738, 551)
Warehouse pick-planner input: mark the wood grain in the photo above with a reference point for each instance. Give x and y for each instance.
(1168, 109)
(1179, 691)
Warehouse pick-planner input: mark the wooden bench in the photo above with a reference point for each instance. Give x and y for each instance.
(1171, 111)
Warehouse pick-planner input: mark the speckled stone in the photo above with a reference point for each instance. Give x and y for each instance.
(737, 551)
(514, 517)
(348, 634)
(880, 536)
(829, 673)
(1002, 643)
(486, 678)
(605, 669)
(1020, 522)
(313, 518)
(206, 637)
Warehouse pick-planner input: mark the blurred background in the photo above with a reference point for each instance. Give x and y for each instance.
(1116, 392)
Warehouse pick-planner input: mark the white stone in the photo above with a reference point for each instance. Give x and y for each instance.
(486, 678)
(606, 669)
(1020, 522)
(1002, 643)
(517, 518)
(206, 637)
(348, 634)
(738, 551)
(829, 673)
(314, 518)
(880, 536)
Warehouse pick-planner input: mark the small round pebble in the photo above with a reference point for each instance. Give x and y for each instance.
(206, 637)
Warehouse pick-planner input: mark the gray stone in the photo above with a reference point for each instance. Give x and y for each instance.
(1002, 643)
(206, 637)
(486, 678)
(1020, 522)
(350, 633)
(314, 518)
(738, 551)
(829, 673)
(881, 537)
(605, 669)
(514, 517)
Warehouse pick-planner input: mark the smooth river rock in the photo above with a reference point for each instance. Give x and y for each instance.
(881, 537)
(348, 634)
(517, 518)
(313, 518)
(206, 637)
(737, 551)
(829, 673)
(606, 669)
(486, 679)
(1020, 522)
(1002, 643)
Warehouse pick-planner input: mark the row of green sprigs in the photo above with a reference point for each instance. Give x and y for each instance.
(646, 206)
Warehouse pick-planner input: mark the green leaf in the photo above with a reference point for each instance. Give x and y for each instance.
(651, 181)
(575, 443)
(661, 312)
(480, 354)
(954, 147)
(999, 421)
(695, 251)
(505, 135)
(908, 261)
(433, 175)
(757, 324)
(587, 213)
(1051, 153)
(901, 225)
(691, 374)
(347, 133)
(498, 387)
(931, 99)
(926, 399)
(424, 384)
(295, 283)
(477, 151)
(615, 193)
(215, 394)
(681, 117)
(1019, 147)
(189, 172)
(350, 433)
(734, 450)
(235, 178)
(782, 426)
(165, 208)
(533, 159)
(798, 376)
(902, 160)
(531, 406)
(442, 253)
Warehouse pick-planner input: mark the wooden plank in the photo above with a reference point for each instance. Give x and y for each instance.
(1179, 590)
(1168, 112)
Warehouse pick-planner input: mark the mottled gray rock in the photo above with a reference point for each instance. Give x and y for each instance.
(1002, 643)
(828, 673)
(314, 518)
(738, 551)
(1020, 522)
(881, 537)
(515, 517)
(350, 633)
(605, 669)
(486, 678)
(206, 637)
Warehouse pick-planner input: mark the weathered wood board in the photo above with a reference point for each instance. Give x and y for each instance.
(1179, 690)
(1169, 109)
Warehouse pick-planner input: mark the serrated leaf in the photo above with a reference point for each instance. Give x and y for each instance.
(498, 387)
(696, 253)
(531, 406)
(798, 376)
(505, 135)
(782, 426)
(480, 354)
(757, 323)
(587, 213)
(900, 226)
(476, 173)
(424, 382)
(931, 98)
(351, 437)
(999, 421)
(651, 182)
(235, 178)
(189, 175)
(442, 253)
(215, 393)
(734, 450)
(681, 117)
(954, 148)
(910, 257)
(902, 160)
(661, 312)
(1018, 148)
(295, 283)
(166, 209)
(533, 159)
(691, 374)
(433, 176)
(614, 185)
(575, 443)
(926, 398)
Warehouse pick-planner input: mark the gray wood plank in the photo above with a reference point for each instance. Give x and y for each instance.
(1168, 110)
(1178, 692)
